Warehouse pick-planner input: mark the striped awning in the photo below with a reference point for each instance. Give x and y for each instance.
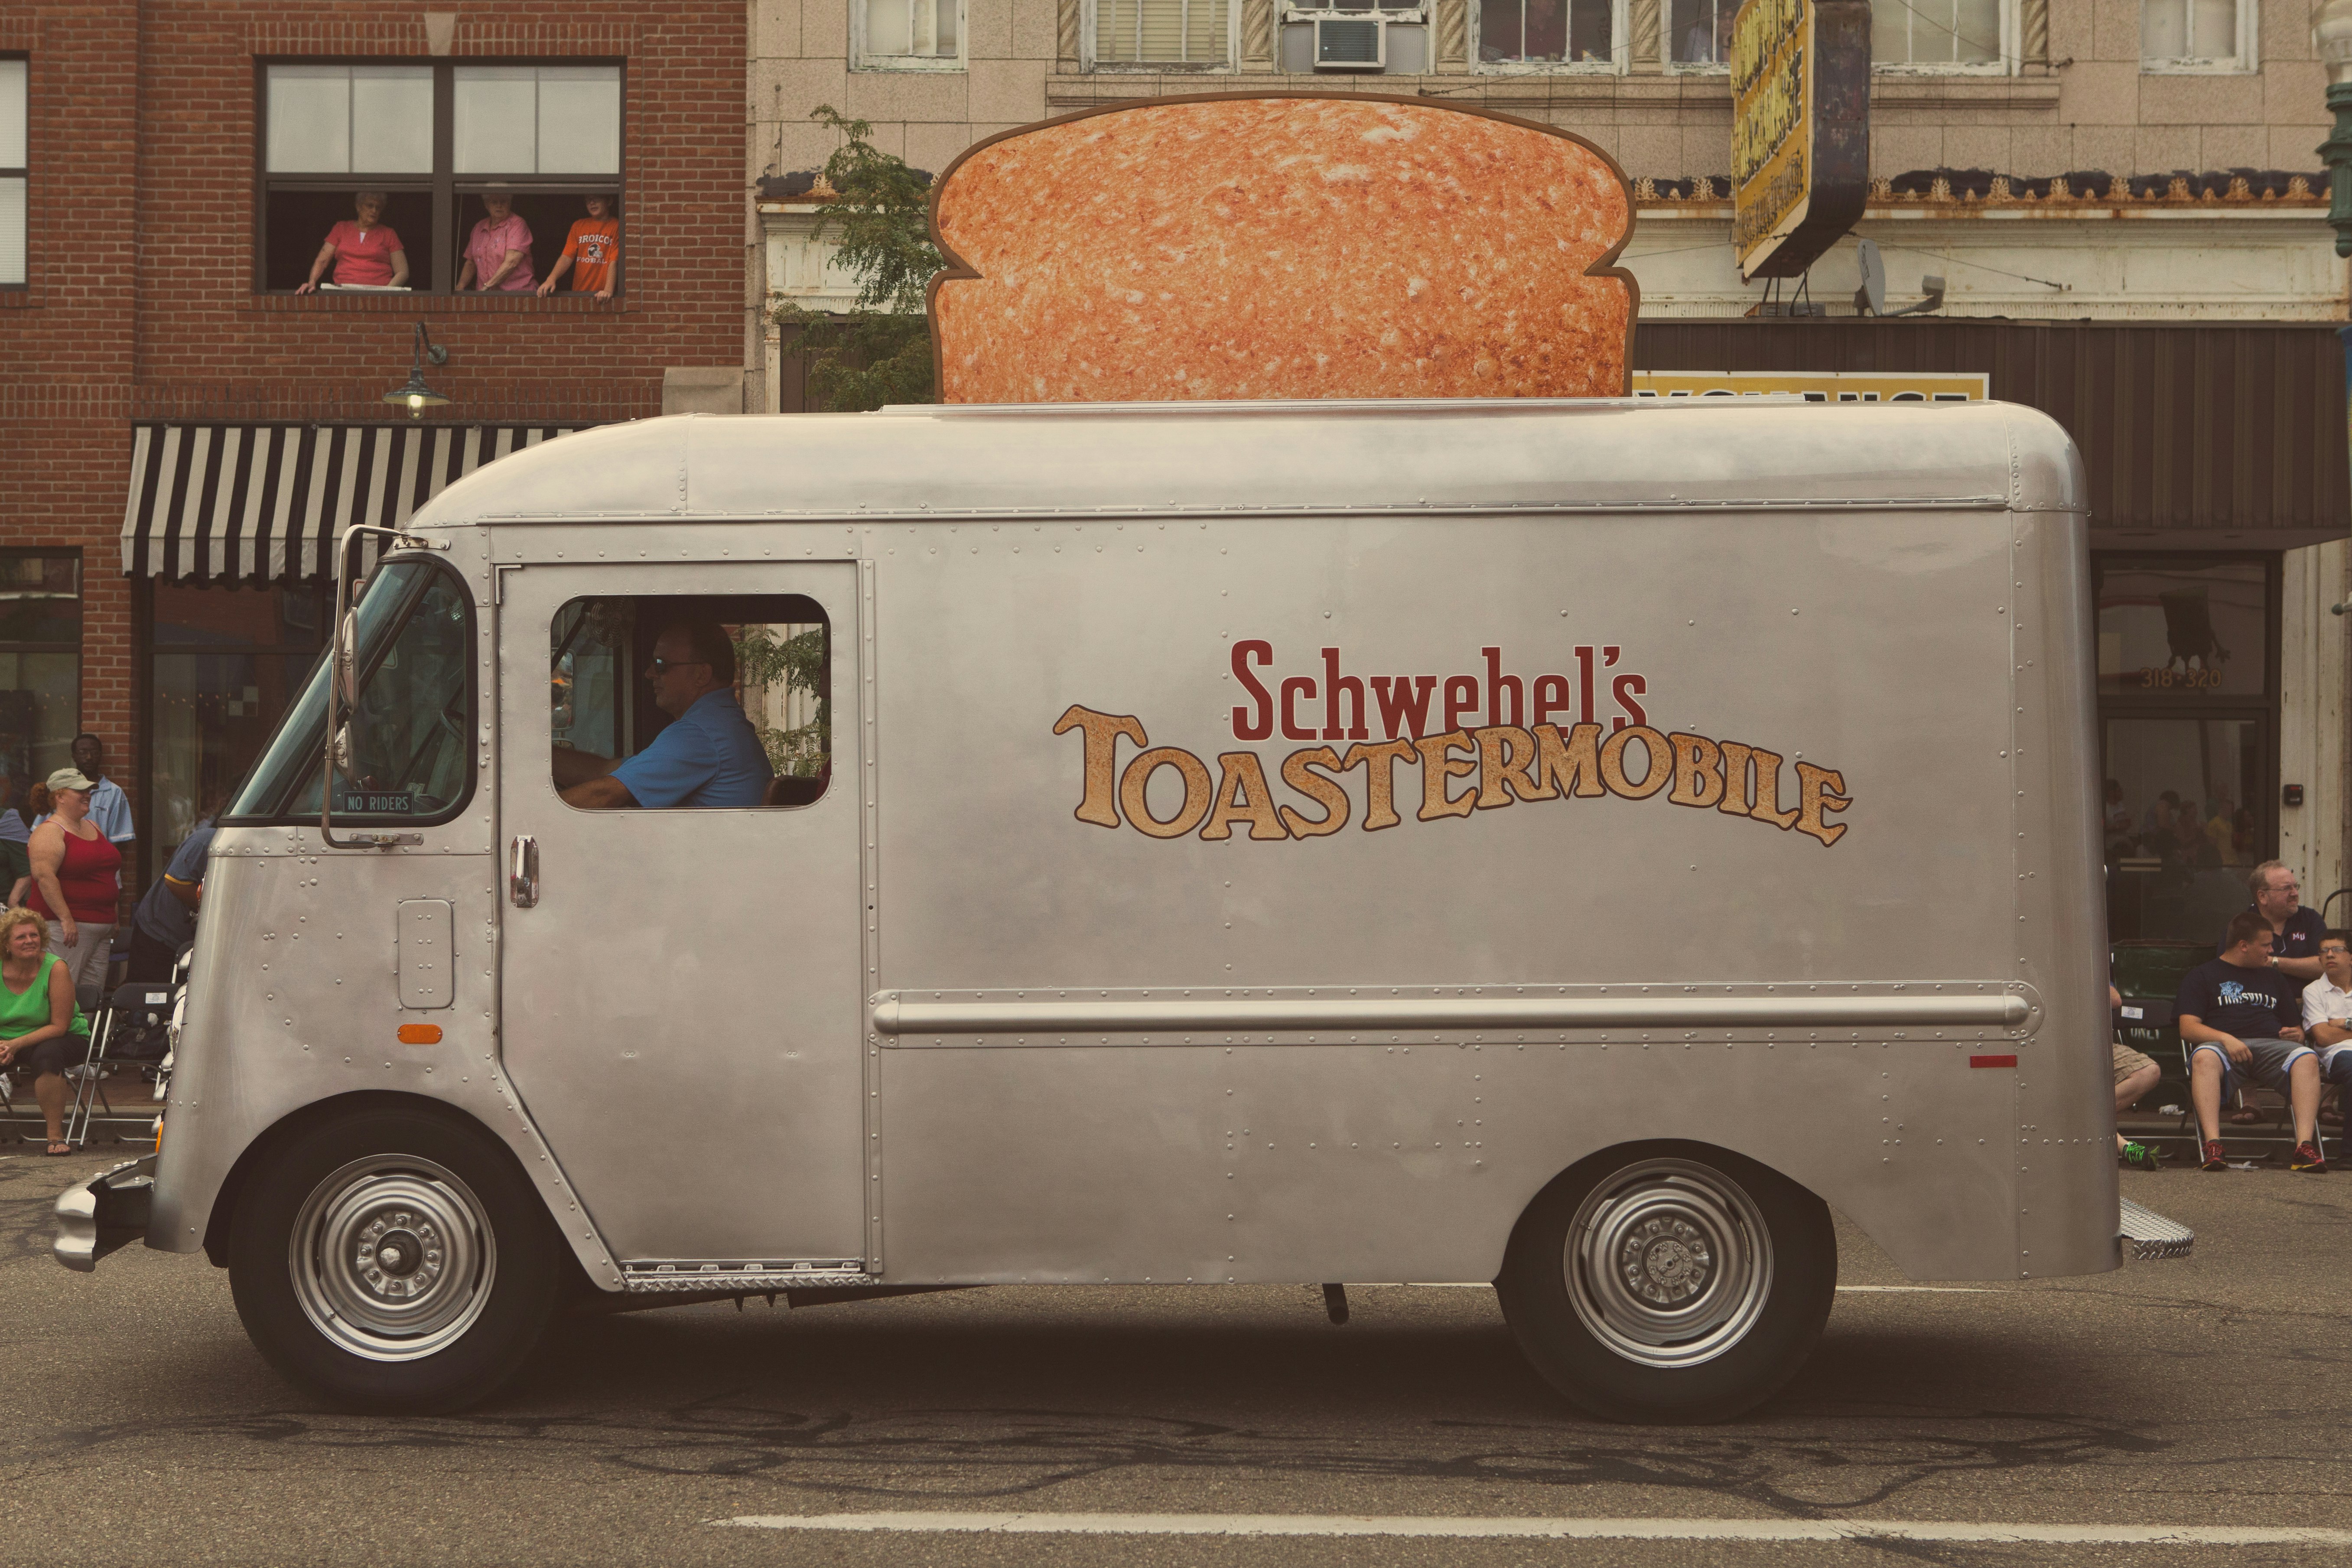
(230, 503)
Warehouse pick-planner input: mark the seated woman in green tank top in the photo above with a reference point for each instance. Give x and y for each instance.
(41, 1024)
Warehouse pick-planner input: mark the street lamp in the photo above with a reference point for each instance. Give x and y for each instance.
(2331, 39)
(419, 396)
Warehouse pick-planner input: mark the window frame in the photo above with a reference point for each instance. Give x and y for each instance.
(1621, 50)
(1089, 61)
(861, 59)
(2005, 63)
(2247, 61)
(443, 187)
(25, 172)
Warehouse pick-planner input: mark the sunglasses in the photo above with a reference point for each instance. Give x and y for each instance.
(661, 666)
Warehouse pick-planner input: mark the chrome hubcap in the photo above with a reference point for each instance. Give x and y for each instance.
(392, 1258)
(1668, 1263)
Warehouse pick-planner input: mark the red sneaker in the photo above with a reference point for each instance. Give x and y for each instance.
(2307, 1157)
(2214, 1159)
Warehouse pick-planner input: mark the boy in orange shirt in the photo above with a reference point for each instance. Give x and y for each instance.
(591, 252)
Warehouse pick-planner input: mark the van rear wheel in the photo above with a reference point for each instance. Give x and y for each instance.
(1669, 1282)
(392, 1261)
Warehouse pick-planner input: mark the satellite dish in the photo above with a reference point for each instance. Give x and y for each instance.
(1872, 295)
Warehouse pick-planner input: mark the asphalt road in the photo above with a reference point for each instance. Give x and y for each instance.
(138, 1426)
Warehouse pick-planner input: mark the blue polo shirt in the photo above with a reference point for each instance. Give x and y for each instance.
(709, 757)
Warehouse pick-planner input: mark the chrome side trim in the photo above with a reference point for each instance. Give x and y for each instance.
(699, 1274)
(95, 1216)
(897, 1013)
(2151, 1235)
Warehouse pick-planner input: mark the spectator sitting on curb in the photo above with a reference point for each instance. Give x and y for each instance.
(2241, 1021)
(2136, 1074)
(2327, 1013)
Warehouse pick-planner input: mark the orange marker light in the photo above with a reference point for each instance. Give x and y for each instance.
(420, 1034)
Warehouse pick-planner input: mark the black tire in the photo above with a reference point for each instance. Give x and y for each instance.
(1722, 1274)
(432, 1265)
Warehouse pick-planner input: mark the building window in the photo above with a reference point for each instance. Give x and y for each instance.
(1698, 34)
(40, 664)
(1162, 35)
(433, 140)
(2196, 36)
(227, 663)
(15, 84)
(1537, 34)
(909, 35)
(1939, 35)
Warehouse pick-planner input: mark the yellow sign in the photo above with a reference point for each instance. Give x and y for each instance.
(1799, 130)
(1818, 386)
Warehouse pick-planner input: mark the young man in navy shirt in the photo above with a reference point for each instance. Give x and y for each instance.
(2243, 1021)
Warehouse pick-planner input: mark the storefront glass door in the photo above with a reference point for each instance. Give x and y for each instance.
(2187, 677)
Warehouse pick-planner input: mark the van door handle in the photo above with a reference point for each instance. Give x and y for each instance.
(523, 872)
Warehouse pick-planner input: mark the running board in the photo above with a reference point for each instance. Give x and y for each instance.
(2152, 1236)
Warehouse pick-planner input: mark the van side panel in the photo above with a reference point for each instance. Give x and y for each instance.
(1875, 644)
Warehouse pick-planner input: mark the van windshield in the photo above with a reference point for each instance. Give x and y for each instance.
(409, 753)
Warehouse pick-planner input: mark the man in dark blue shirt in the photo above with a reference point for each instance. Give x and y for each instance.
(2243, 1021)
(2294, 930)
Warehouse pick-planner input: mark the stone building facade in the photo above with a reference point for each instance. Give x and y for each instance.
(2123, 204)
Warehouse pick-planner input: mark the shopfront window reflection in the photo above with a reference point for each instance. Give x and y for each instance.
(40, 663)
(227, 661)
(2184, 629)
(2182, 831)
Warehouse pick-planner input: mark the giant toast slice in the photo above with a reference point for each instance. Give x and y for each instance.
(1283, 246)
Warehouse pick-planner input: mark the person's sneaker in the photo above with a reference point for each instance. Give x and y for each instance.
(2139, 1156)
(2214, 1159)
(2307, 1157)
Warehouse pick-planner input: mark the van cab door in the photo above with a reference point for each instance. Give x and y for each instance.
(680, 1005)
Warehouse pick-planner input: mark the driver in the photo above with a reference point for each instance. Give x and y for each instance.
(709, 756)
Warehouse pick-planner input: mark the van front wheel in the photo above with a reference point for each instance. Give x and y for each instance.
(1669, 1282)
(392, 1261)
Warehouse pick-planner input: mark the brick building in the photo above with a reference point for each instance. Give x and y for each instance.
(182, 433)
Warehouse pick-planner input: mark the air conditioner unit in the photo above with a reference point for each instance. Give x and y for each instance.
(1351, 44)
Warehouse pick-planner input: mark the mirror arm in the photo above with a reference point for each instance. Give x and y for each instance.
(341, 656)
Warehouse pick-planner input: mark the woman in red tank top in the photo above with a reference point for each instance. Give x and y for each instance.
(77, 881)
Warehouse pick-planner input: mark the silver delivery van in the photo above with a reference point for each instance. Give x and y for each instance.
(1574, 846)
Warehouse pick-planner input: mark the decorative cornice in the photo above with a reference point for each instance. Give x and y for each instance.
(1977, 190)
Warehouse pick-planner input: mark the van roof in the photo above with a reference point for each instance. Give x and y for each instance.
(1269, 459)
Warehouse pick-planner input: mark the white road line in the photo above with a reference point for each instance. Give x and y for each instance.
(1548, 1529)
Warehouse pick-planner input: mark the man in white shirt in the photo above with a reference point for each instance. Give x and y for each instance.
(2328, 1014)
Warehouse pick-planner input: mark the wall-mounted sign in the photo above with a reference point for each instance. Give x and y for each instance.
(1799, 130)
(1818, 386)
(1282, 246)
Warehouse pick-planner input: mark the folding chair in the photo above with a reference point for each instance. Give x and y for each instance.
(131, 1030)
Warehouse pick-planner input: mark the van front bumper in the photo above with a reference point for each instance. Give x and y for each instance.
(108, 1210)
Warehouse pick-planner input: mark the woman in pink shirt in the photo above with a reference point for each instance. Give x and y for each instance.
(366, 252)
(498, 253)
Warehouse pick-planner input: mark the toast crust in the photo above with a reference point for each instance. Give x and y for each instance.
(1282, 245)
